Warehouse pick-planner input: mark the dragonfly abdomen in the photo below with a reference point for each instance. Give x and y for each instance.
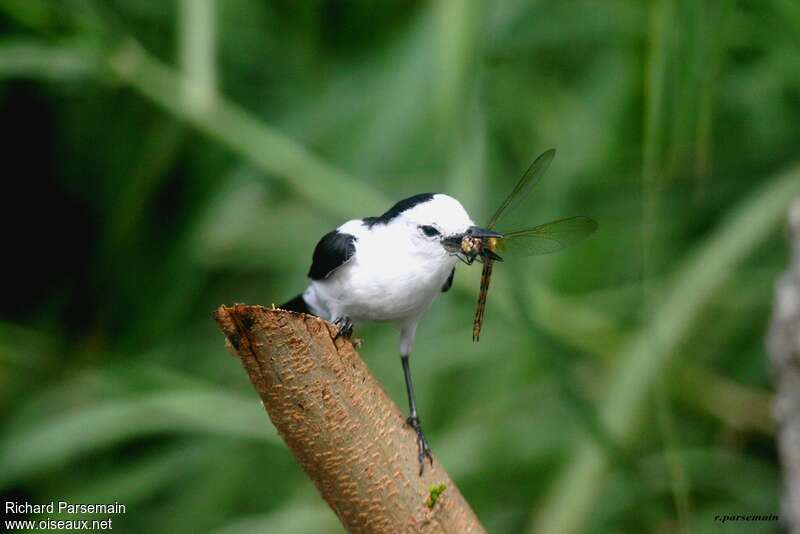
(486, 276)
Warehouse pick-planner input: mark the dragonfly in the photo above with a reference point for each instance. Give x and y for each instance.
(485, 244)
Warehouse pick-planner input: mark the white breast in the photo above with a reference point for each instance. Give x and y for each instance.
(388, 278)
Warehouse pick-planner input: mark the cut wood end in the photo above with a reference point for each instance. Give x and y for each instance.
(238, 320)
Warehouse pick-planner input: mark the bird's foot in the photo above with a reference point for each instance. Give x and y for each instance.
(344, 327)
(357, 342)
(422, 443)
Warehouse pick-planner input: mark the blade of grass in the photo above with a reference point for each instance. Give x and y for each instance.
(406, 86)
(197, 47)
(458, 35)
(666, 30)
(679, 481)
(739, 407)
(654, 124)
(707, 67)
(29, 58)
(161, 147)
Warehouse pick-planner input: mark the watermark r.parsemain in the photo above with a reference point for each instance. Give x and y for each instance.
(725, 518)
(21, 509)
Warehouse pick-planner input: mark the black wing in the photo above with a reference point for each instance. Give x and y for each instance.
(524, 186)
(449, 282)
(333, 250)
(548, 237)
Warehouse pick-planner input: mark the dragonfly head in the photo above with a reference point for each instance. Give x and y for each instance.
(476, 243)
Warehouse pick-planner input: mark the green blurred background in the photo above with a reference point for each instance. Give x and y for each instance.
(164, 157)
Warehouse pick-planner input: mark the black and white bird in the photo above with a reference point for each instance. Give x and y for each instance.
(389, 269)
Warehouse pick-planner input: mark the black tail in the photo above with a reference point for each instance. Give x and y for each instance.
(297, 304)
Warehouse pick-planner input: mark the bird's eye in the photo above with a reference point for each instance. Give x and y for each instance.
(430, 231)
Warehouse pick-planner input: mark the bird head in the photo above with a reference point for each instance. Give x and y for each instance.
(438, 225)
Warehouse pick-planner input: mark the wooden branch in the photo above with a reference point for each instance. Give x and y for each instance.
(345, 432)
(784, 347)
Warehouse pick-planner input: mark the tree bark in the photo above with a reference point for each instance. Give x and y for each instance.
(342, 428)
(784, 347)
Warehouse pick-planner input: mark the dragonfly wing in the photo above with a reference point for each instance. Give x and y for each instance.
(524, 186)
(549, 237)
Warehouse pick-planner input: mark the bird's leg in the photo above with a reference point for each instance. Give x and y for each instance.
(344, 327)
(413, 419)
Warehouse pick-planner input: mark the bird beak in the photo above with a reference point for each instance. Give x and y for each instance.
(477, 231)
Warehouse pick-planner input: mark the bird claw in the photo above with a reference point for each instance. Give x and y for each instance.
(422, 443)
(344, 327)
